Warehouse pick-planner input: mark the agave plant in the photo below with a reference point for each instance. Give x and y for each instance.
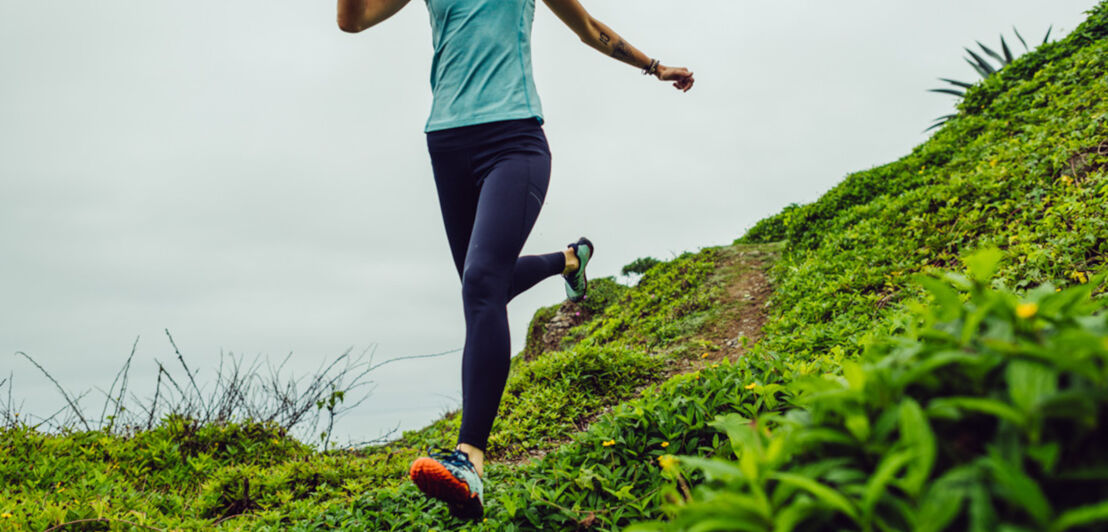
(983, 67)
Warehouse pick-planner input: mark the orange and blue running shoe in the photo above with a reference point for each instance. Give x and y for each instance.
(449, 476)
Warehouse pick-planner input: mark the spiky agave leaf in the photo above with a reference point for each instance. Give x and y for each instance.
(1023, 42)
(955, 92)
(992, 53)
(962, 84)
(984, 73)
(981, 61)
(983, 67)
(939, 122)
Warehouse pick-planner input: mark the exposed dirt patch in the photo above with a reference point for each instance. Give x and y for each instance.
(548, 336)
(742, 277)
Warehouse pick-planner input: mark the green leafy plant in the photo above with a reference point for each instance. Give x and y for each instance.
(987, 414)
(639, 266)
(983, 67)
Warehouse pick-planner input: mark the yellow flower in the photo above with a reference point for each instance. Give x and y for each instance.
(665, 444)
(668, 462)
(6, 515)
(705, 355)
(609, 443)
(1027, 310)
(751, 386)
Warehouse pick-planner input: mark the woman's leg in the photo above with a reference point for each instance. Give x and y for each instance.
(530, 269)
(457, 193)
(508, 204)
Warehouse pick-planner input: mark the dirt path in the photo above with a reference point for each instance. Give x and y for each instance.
(742, 273)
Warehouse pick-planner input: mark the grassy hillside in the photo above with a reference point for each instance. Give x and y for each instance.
(935, 357)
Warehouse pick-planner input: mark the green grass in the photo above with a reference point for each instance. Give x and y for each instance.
(887, 393)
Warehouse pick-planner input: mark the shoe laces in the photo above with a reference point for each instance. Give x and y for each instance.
(452, 457)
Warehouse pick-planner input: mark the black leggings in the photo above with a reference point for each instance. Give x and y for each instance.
(491, 181)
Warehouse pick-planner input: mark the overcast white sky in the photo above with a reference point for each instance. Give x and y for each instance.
(249, 177)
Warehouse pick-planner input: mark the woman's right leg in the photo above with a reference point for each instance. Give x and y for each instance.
(457, 191)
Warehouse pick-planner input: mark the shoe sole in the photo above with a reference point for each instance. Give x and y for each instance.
(434, 480)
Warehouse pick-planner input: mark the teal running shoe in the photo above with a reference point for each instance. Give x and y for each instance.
(576, 282)
(449, 476)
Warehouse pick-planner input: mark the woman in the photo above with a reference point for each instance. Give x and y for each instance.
(492, 165)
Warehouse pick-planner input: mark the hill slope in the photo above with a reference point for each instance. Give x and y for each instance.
(884, 394)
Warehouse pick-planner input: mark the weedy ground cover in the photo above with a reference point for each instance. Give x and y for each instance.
(187, 474)
(988, 413)
(886, 393)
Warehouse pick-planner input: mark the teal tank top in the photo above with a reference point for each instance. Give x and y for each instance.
(481, 71)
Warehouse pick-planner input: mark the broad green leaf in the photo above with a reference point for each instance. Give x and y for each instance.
(945, 497)
(950, 305)
(973, 323)
(933, 362)
(915, 431)
(825, 494)
(1046, 454)
(982, 515)
(714, 468)
(855, 375)
(818, 435)
(858, 425)
(777, 451)
(875, 488)
(1085, 515)
(1075, 404)
(1029, 383)
(737, 429)
(980, 405)
(792, 515)
(982, 264)
(1019, 489)
(724, 524)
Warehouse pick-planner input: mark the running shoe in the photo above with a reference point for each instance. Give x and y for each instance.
(449, 476)
(576, 282)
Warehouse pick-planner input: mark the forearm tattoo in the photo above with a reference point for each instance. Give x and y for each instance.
(605, 39)
(622, 51)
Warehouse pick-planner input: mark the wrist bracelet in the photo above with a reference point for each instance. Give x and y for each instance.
(652, 69)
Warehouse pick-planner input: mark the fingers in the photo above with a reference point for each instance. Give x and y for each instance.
(685, 83)
(681, 77)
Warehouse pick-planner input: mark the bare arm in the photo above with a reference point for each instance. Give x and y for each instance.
(599, 36)
(358, 15)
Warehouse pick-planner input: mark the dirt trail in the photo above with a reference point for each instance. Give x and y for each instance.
(742, 273)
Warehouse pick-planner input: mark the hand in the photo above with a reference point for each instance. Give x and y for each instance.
(681, 77)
